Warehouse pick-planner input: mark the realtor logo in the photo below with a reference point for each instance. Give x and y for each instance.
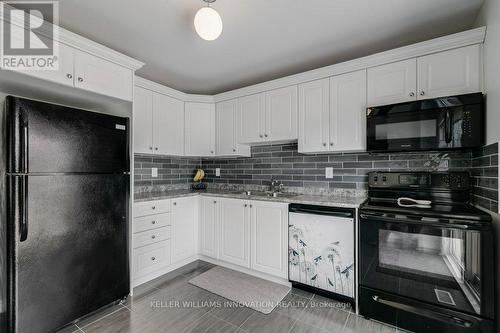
(28, 31)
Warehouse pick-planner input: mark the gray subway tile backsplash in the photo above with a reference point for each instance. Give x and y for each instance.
(283, 162)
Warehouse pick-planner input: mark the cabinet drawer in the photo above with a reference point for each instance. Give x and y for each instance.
(150, 258)
(151, 207)
(151, 222)
(151, 236)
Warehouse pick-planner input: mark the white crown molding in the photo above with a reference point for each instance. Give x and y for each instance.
(465, 38)
(164, 90)
(71, 39)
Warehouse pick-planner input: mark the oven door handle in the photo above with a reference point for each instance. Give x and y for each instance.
(384, 218)
(426, 313)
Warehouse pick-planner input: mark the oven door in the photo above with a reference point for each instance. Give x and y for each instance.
(444, 263)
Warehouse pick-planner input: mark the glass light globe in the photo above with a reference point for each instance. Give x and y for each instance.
(208, 23)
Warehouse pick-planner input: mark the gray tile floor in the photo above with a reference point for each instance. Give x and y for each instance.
(171, 304)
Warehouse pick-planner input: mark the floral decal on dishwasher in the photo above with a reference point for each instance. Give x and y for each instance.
(319, 263)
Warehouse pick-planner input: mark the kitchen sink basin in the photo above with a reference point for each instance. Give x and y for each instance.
(270, 194)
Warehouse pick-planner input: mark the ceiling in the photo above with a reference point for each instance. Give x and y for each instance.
(262, 39)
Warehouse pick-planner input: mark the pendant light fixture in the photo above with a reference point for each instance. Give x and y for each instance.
(207, 22)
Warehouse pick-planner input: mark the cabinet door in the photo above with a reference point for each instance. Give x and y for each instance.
(64, 73)
(103, 77)
(184, 227)
(269, 237)
(143, 121)
(251, 122)
(234, 232)
(208, 226)
(392, 83)
(281, 114)
(168, 125)
(348, 112)
(314, 116)
(199, 129)
(447, 73)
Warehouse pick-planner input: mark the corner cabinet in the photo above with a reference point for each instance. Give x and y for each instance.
(199, 135)
(209, 214)
(269, 238)
(332, 114)
(226, 122)
(453, 72)
(158, 123)
(270, 116)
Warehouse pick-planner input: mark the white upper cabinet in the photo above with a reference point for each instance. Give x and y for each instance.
(199, 138)
(314, 114)
(348, 112)
(281, 114)
(64, 73)
(168, 125)
(447, 73)
(143, 121)
(227, 130)
(251, 118)
(269, 238)
(392, 83)
(268, 117)
(101, 76)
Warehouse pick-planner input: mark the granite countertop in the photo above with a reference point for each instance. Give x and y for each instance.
(309, 199)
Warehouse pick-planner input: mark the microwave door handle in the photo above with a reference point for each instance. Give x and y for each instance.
(447, 126)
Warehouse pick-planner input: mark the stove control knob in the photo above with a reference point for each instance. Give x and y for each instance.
(384, 178)
(375, 178)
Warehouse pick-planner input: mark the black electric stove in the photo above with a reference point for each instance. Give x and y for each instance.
(426, 261)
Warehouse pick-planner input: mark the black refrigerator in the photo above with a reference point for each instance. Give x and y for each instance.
(64, 228)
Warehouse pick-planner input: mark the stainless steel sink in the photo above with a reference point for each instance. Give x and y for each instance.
(270, 194)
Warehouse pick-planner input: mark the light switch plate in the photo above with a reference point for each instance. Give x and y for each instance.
(154, 172)
(217, 172)
(329, 172)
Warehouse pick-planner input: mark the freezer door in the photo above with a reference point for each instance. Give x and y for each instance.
(74, 258)
(47, 138)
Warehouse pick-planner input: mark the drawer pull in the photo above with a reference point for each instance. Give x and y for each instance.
(153, 237)
(175, 203)
(153, 208)
(153, 258)
(153, 222)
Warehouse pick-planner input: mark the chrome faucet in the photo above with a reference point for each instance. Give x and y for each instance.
(276, 186)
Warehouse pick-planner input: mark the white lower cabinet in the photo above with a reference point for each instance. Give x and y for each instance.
(234, 232)
(269, 237)
(249, 234)
(184, 227)
(209, 214)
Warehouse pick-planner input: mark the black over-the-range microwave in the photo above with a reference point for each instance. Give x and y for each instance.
(434, 124)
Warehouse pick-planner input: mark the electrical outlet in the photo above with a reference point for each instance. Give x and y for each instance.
(154, 172)
(329, 172)
(217, 172)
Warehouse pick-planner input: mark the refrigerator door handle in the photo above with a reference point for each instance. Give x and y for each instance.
(25, 148)
(23, 207)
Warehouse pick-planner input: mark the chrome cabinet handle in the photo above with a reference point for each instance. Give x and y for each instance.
(153, 208)
(422, 93)
(153, 222)
(234, 150)
(211, 152)
(246, 205)
(265, 135)
(175, 203)
(156, 148)
(251, 206)
(215, 202)
(150, 148)
(324, 144)
(80, 79)
(153, 237)
(331, 143)
(412, 94)
(153, 258)
(69, 76)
